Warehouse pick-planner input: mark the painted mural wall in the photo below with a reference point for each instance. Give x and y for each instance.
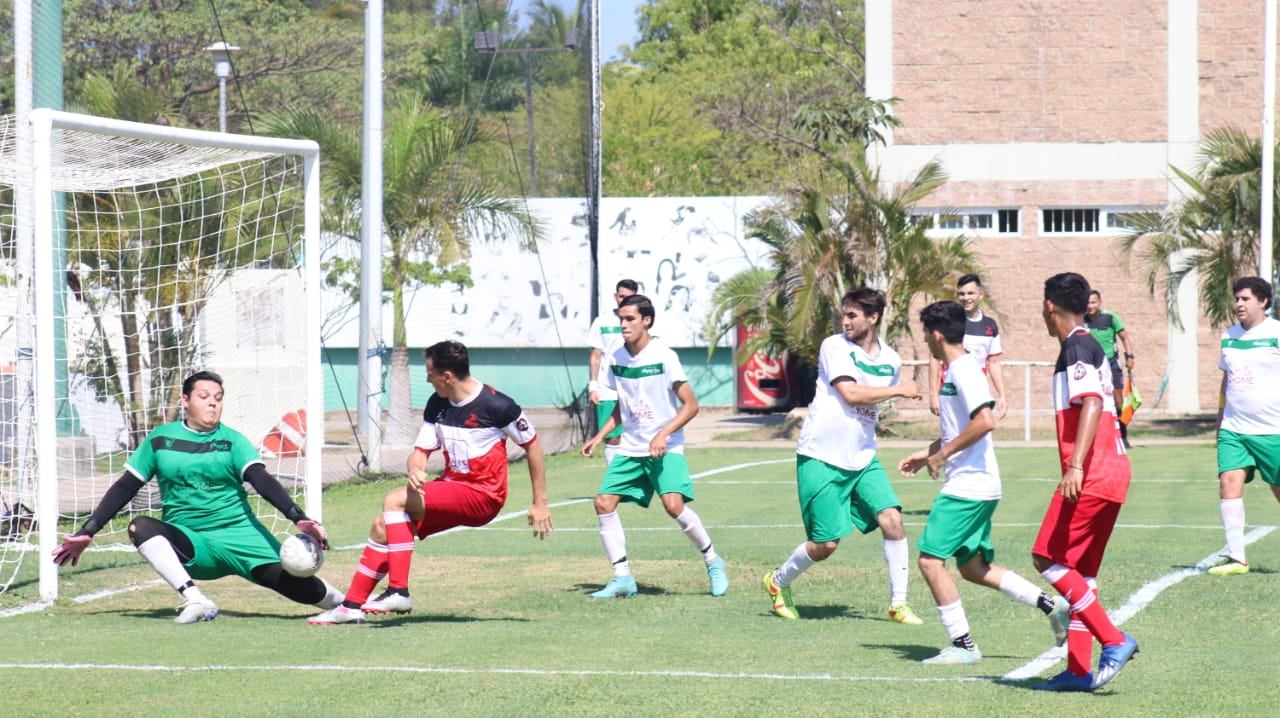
(678, 249)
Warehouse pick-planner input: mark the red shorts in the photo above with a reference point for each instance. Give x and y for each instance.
(450, 504)
(1076, 534)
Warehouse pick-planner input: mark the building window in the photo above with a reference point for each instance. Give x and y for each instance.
(1008, 221)
(1071, 221)
(980, 222)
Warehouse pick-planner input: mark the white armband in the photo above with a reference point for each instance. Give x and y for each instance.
(593, 385)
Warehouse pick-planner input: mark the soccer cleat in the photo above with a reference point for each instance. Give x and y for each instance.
(781, 598)
(1113, 659)
(1067, 682)
(719, 577)
(904, 614)
(389, 602)
(197, 610)
(1230, 567)
(618, 587)
(336, 615)
(1060, 619)
(954, 655)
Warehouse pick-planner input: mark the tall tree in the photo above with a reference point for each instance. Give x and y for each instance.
(1213, 231)
(431, 213)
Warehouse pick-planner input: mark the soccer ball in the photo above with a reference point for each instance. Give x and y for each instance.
(301, 555)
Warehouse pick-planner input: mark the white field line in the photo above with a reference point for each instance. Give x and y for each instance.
(1138, 601)
(154, 668)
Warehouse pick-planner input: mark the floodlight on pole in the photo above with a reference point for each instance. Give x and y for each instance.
(488, 43)
(221, 53)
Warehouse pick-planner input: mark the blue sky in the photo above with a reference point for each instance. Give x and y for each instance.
(617, 26)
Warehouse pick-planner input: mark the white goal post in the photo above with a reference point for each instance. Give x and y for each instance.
(157, 252)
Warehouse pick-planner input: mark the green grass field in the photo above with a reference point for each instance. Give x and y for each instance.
(503, 626)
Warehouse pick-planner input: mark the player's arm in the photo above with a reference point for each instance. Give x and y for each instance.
(995, 370)
(1086, 430)
(856, 394)
(593, 375)
(539, 512)
(688, 410)
(613, 422)
(1222, 400)
(1123, 336)
(915, 461)
(269, 488)
(117, 497)
(935, 380)
(980, 424)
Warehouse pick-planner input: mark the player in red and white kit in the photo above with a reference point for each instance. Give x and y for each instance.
(471, 423)
(1095, 482)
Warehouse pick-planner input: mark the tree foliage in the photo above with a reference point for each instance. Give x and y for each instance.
(1212, 232)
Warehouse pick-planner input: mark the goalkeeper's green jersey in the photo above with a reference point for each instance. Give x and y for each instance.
(200, 475)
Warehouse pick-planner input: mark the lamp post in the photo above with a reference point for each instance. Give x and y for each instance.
(486, 43)
(221, 52)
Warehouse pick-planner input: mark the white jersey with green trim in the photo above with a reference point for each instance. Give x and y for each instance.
(606, 336)
(1251, 360)
(836, 432)
(971, 473)
(647, 401)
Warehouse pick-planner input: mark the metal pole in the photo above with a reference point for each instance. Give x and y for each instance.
(1026, 403)
(222, 104)
(369, 374)
(1268, 143)
(528, 102)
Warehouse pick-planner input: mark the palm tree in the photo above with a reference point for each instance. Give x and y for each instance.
(1214, 231)
(431, 214)
(823, 244)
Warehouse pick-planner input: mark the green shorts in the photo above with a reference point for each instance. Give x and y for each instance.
(833, 501)
(232, 550)
(958, 527)
(637, 478)
(1251, 452)
(603, 411)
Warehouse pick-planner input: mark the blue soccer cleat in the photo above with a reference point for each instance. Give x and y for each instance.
(1113, 659)
(618, 587)
(719, 577)
(1066, 682)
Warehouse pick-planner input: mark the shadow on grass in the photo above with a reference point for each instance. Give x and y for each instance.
(643, 590)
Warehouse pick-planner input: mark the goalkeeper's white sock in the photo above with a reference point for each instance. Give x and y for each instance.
(160, 554)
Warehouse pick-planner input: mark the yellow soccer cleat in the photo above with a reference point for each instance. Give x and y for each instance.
(781, 598)
(904, 614)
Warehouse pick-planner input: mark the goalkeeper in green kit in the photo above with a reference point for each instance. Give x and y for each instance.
(208, 529)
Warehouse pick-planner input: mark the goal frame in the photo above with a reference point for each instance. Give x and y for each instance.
(43, 122)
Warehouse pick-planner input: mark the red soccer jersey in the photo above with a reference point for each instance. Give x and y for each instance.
(473, 435)
(1083, 370)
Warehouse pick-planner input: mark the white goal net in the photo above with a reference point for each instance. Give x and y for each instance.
(141, 254)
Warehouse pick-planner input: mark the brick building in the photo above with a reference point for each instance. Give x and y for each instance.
(1053, 118)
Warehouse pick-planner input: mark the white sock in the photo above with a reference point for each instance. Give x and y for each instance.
(332, 596)
(1232, 511)
(615, 543)
(953, 620)
(1020, 589)
(160, 554)
(692, 526)
(610, 451)
(797, 563)
(895, 557)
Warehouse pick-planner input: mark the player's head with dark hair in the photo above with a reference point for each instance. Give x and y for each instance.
(1068, 291)
(870, 301)
(628, 284)
(947, 318)
(1259, 287)
(1095, 293)
(643, 305)
(189, 384)
(451, 356)
(969, 279)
